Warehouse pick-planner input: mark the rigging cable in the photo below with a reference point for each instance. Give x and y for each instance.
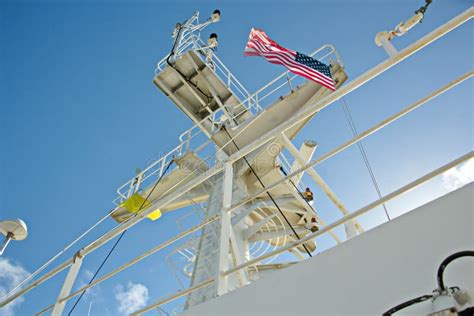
(268, 193)
(120, 237)
(348, 115)
(172, 53)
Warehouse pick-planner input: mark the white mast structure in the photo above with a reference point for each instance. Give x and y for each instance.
(202, 87)
(231, 164)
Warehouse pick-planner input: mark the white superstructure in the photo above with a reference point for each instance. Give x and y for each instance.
(231, 169)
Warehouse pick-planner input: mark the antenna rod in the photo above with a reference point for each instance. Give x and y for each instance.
(6, 242)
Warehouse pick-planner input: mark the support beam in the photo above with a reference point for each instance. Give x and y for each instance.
(136, 260)
(349, 227)
(355, 84)
(193, 91)
(265, 235)
(224, 243)
(351, 86)
(212, 90)
(225, 230)
(180, 104)
(249, 232)
(311, 210)
(67, 285)
(359, 212)
(281, 201)
(174, 297)
(228, 184)
(307, 151)
(360, 137)
(297, 254)
(238, 252)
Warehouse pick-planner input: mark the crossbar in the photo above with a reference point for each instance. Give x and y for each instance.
(302, 115)
(135, 260)
(351, 216)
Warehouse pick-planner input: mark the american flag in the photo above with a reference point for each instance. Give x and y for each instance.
(260, 44)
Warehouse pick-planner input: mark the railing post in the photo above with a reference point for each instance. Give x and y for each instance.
(163, 162)
(68, 283)
(350, 227)
(188, 142)
(138, 183)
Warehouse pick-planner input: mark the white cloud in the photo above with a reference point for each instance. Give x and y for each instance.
(134, 297)
(459, 176)
(10, 275)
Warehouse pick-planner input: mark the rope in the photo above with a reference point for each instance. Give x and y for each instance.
(348, 115)
(120, 238)
(269, 195)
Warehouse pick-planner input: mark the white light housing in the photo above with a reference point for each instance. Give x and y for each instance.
(212, 41)
(12, 230)
(216, 16)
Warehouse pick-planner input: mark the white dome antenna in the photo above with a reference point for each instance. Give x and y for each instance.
(12, 229)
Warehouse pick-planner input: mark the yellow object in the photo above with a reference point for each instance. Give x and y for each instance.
(137, 203)
(154, 215)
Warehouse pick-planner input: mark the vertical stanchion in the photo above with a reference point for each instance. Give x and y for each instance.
(225, 230)
(67, 286)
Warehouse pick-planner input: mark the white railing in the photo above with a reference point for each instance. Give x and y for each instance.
(251, 104)
(254, 103)
(326, 229)
(377, 70)
(144, 178)
(349, 217)
(192, 41)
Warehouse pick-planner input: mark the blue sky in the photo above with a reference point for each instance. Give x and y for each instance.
(79, 113)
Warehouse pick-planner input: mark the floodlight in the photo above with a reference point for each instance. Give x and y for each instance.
(12, 229)
(212, 41)
(216, 16)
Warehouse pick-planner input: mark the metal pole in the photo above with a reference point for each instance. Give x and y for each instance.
(67, 286)
(114, 232)
(351, 86)
(361, 80)
(45, 277)
(357, 213)
(225, 231)
(350, 228)
(398, 115)
(174, 297)
(136, 260)
(7, 240)
(361, 136)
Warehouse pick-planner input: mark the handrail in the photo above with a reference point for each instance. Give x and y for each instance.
(136, 260)
(351, 216)
(375, 71)
(412, 185)
(359, 137)
(252, 101)
(351, 86)
(175, 296)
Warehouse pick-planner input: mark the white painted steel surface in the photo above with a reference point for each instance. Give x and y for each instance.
(370, 273)
(290, 124)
